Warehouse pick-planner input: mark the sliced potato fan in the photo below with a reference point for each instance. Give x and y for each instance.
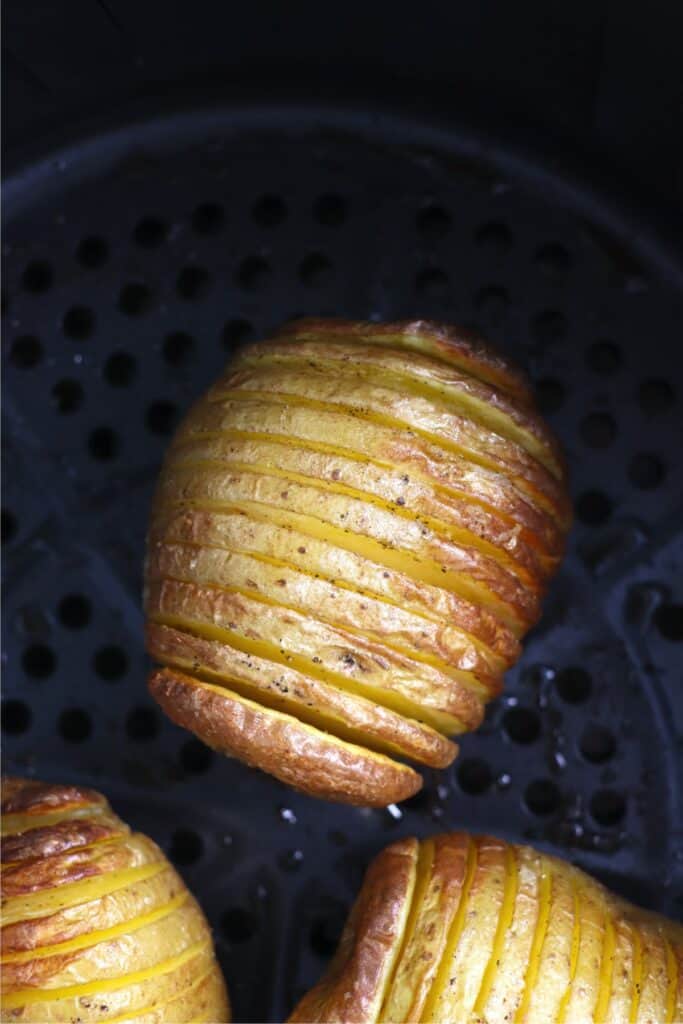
(352, 532)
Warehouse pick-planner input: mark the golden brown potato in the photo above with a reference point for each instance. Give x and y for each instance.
(473, 930)
(352, 531)
(96, 924)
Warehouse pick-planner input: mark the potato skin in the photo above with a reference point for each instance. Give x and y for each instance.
(376, 508)
(496, 933)
(96, 922)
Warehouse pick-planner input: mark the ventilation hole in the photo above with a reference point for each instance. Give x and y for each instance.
(110, 663)
(553, 258)
(549, 326)
(433, 222)
(186, 846)
(326, 931)
(493, 303)
(177, 347)
(74, 725)
(655, 396)
(9, 526)
(597, 744)
(195, 757)
(330, 210)
(238, 925)
(150, 232)
(549, 395)
(193, 283)
(142, 724)
(78, 323)
(522, 725)
(315, 270)
(103, 444)
(16, 717)
(269, 211)
(542, 797)
(573, 684)
(74, 611)
(92, 252)
(135, 299)
(646, 471)
(669, 621)
(26, 352)
(254, 273)
(119, 369)
(593, 508)
(208, 219)
(37, 277)
(603, 357)
(496, 238)
(431, 281)
(67, 395)
(161, 417)
(236, 332)
(474, 776)
(607, 807)
(4, 304)
(598, 430)
(39, 661)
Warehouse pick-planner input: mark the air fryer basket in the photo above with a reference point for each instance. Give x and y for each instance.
(135, 262)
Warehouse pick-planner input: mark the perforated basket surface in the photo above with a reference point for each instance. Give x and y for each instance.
(135, 262)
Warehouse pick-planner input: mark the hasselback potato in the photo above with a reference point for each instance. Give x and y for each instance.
(96, 924)
(352, 531)
(472, 930)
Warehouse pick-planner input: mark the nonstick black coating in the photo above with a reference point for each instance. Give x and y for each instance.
(135, 261)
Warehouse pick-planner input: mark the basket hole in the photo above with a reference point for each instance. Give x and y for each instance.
(253, 273)
(238, 925)
(549, 326)
(92, 252)
(78, 323)
(110, 663)
(37, 277)
(494, 237)
(326, 931)
(236, 332)
(26, 352)
(598, 430)
(542, 797)
(16, 717)
(39, 661)
(74, 725)
(135, 299)
(196, 757)
(607, 807)
(150, 232)
(208, 218)
(186, 846)
(474, 776)
(269, 210)
(315, 270)
(433, 221)
(573, 684)
(553, 258)
(646, 471)
(604, 357)
(593, 508)
(161, 417)
(142, 724)
(549, 395)
(177, 348)
(103, 444)
(193, 283)
(655, 396)
(597, 744)
(492, 303)
(669, 621)
(9, 526)
(330, 210)
(67, 395)
(431, 281)
(74, 611)
(119, 369)
(522, 725)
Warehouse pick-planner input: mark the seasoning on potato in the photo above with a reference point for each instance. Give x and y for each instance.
(463, 928)
(352, 532)
(96, 924)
